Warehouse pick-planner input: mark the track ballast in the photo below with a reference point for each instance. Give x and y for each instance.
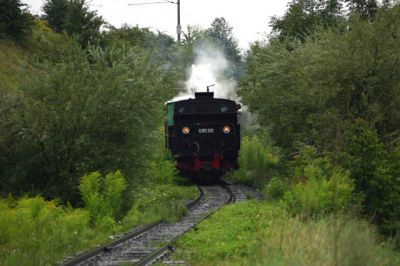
(154, 242)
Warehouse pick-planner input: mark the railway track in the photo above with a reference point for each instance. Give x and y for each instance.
(153, 243)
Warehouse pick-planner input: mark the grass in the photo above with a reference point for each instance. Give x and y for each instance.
(14, 56)
(38, 232)
(261, 233)
(11, 58)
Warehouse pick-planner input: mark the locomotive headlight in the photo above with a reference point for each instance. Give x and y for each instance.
(226, 129)
(185, 130)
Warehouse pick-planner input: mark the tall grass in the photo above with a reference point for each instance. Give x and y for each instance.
(253, 233)
(34, 231)
(38, 232)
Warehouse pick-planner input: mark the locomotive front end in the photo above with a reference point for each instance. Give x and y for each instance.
(203, 134)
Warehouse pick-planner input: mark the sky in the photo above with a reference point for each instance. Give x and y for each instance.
(249, 18)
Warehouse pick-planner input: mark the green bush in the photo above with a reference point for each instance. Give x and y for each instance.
(38, 232)
(102, 196)
(375, 170)
(256, 161)
(318, 187)
(162, 169)
(82, 110)
(319, 196)
(275, 189)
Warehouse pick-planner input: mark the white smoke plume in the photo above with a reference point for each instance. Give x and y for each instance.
(210, 68)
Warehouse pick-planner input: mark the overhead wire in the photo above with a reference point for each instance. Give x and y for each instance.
(152, 3)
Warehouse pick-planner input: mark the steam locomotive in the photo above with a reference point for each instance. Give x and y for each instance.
(204, 135)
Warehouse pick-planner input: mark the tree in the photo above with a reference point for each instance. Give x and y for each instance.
(83, 22)
(85, 110)
(366, 8)
(303, 17)
(332, 77)
(55, 13)
(74, 18)
(221, 33)
(15, 20)
(337, 91)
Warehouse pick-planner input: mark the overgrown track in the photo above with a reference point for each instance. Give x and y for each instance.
(153, 243)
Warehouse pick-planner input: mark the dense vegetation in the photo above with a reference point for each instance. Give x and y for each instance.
(273, 237)
(311, 216)
(39, 232)
(85, 100)
(15, 20)
(81, 142)
(325, 88)
(335, 88)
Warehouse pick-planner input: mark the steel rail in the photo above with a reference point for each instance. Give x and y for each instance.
(125, 237)
(159, 253)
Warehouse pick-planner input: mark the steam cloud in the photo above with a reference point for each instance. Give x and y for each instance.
(210, 67)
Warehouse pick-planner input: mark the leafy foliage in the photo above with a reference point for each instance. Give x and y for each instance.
(275, 189)
(38, 232)
(310, 93)
(74, 18)
(221, 33)
(257, 161)
(367, 9)
(102, 196)
(336, 90)
(304, 17)
(319, 188)
(160, 201)
(55, 13)
(83, 111)
(375, 173)
(15, 20)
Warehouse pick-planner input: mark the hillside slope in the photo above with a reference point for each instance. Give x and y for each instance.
(42, 42)
(11, 58)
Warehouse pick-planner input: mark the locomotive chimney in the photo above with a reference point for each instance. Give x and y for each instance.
(208, 87)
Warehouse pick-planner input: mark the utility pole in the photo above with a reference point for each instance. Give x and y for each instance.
(178, 27)
(178, 3)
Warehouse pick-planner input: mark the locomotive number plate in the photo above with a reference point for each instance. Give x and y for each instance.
(206, 130)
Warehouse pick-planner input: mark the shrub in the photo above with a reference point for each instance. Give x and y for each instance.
(275, 189)
(102, 196)
(318, 196)
(318, 187)
(376, 174)
(161, 169)
(256, 161)
(81, 111)
(38, 232)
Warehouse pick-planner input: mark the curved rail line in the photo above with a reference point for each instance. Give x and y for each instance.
(150, 243)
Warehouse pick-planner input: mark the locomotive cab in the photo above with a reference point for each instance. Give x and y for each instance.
(203, 134)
